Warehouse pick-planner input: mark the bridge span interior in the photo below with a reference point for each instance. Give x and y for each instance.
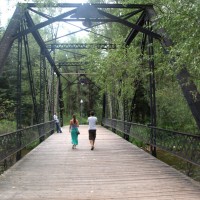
(55, 71)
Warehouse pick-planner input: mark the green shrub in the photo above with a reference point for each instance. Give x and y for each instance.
(7, 126)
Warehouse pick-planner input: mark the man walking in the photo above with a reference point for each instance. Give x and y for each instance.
(92, 120)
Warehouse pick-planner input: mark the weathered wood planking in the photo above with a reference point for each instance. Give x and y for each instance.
(114, 170)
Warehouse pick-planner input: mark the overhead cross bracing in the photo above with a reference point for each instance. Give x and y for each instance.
(81, 46)
(103, 17)
(69, 15)
(71, 64)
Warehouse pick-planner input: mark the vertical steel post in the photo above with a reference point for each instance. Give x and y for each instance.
(51, 111)
(113, 109)
(126, 129)
(60, 99)
(19, 93)
(104, 107)
(42, 86)
(31, 78)
(53, 102)
(126, 111)
(42, 94)
(152, 92)
(47, 103)
(19, 80)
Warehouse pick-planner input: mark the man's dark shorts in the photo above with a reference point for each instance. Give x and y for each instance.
(92, 134)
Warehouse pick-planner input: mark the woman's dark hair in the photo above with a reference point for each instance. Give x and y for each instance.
(74, 119)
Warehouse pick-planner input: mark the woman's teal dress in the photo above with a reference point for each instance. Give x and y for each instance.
(74, 134)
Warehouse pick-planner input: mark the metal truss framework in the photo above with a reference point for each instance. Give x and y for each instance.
(81, 46)
(184, 146)
(14, 142)
(61, 64)
(78, 12)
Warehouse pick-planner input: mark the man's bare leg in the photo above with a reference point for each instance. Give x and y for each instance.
(92, 144)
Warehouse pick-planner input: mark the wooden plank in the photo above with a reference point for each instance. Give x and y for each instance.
(115, 169)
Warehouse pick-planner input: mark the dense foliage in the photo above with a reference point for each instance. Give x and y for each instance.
(180, 19)
(121, 73)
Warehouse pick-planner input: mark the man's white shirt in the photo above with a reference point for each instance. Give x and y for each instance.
(92, 122)
(56, 118)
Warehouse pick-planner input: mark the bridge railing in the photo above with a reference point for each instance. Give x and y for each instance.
(13, 142)
(185, 146)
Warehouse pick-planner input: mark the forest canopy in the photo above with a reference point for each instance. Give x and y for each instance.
(120, 72)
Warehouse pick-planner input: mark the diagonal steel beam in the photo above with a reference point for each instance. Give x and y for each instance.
(7, 39)
(45, 23)
(131, 25)
(41, 43)
(65, 20)
(134, 32)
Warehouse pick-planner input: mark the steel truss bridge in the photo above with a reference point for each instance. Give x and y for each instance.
(49, 89)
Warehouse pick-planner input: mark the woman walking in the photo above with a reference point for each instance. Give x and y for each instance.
(74, 124)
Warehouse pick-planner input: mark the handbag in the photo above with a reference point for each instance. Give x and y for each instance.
(78, 132)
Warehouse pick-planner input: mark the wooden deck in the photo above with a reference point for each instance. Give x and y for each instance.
(114, 170)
